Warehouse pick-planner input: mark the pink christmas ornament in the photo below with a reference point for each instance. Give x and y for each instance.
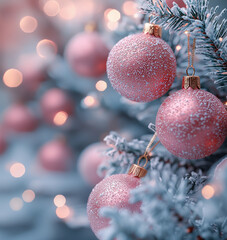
(18, 118)
(192, 124)
(142, 67)
(180, 3)
(33, 74)
(113, 191)
(55, 156)
(89, 161)
(54, 101)
(3, 142)
(87, 54)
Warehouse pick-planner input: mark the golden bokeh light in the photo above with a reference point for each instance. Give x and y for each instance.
(63, 212)
(220, 39)
(60, 118)
(17, 170)
(208, 191)
(46, 48)
(16, 204)
(51, 8)
(129, 8)
(112, 25)
(178, 47)
(90, 101)
(59, 200)
(101, 85)
(28, 195)
(68, 11)
(28, 24)
(12, 78)
(113, 15)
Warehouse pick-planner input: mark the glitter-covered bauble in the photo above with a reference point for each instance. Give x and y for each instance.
(55, 156)
(180, 3)
(141, 67)
(89, 161)
(54, 101)
(192, 124)
(86, 53)
(19, 118)
(113, 191)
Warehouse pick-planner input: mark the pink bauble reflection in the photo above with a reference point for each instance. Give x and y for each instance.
(192, 124)
(55, 156)
(19, 118)
(89, 161)
(53, 101)
(141, 67)
(86, 53)
(180, 3)
(113, 191)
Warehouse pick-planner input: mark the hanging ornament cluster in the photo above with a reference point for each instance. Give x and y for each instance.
(191, 123)
(89, 161)
(114, 191)
(54, 101)
(142, 67)
(87, 54)
(55, 156)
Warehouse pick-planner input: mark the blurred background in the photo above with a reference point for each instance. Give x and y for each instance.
(55, 101)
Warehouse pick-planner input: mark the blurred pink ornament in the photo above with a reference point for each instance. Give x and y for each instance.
(3, 142)
(113, 191)
(19, 118)
(87, 54)
(192, 124)
(89, 161)
(141, 67)
(55, 156)
(33, 73)
(54, 101)
(180, 3)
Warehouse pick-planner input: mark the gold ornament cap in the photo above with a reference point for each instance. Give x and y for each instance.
(191, 81)
(152, 29)
(137, 171)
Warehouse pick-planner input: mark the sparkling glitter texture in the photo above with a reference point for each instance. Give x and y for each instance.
(192, 124)
(87, 54)
(141, 67)
(89, 161)
(113, 191)
(180, 3)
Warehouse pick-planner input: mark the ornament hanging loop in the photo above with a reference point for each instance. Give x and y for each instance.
(143, 157)
(193, 74)
(191, 81)
(139, 171)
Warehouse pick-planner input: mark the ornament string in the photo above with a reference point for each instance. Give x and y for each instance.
(191, 56)
(148, 150)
